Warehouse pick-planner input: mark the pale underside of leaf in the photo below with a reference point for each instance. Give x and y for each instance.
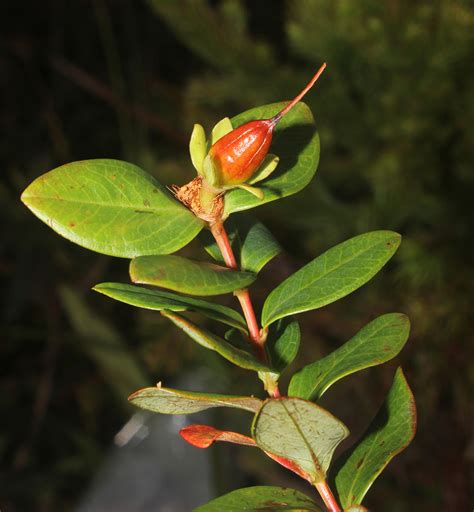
(172, 401)
(299, 431)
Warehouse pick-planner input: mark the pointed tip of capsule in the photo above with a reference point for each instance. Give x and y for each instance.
(275, 119)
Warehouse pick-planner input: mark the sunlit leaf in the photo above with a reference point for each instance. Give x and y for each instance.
(188, 276)
(111, 207)
(390, 432)
(331, 276)
(378, 342)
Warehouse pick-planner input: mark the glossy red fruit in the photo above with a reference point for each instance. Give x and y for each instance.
(237, 155)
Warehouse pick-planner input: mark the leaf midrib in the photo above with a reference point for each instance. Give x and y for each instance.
(314, 458)
(157, 209)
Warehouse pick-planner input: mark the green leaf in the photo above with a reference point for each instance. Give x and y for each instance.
(223, 127)
(111, 207)
(390, 432)
(378, 342)
(283, 342)
(261, 499)
(211, 341)
(174, 401)
(299, 431)
(159, 300)
(188, 276)
(198, 147)
(331, 276)
(295, 141)
(253, 245)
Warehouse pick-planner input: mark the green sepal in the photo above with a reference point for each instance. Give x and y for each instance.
(223, 127)
(257, 192)
(210, 173)
(198, 147)
(269, 164)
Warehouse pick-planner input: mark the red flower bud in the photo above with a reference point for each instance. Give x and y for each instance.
(237, 155)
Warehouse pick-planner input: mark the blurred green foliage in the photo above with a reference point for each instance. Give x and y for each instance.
(395, 114)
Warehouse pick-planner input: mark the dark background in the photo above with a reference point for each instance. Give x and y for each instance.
(122, 79)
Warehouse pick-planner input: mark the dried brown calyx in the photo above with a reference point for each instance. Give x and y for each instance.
(202, 200)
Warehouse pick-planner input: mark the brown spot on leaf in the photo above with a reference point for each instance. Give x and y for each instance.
(146, 203)
(72, 224)
(359, 464)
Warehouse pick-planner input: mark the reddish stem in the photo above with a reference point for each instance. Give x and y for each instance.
(255, 333)
(327, 496)
(220, 234)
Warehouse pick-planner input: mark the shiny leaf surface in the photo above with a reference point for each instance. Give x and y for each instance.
(111, 207)
(390, 432)
(378, 342)
(331, 276)
(159, 300)
(188, 276)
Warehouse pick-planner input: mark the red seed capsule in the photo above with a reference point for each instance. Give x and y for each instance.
(237, 155)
